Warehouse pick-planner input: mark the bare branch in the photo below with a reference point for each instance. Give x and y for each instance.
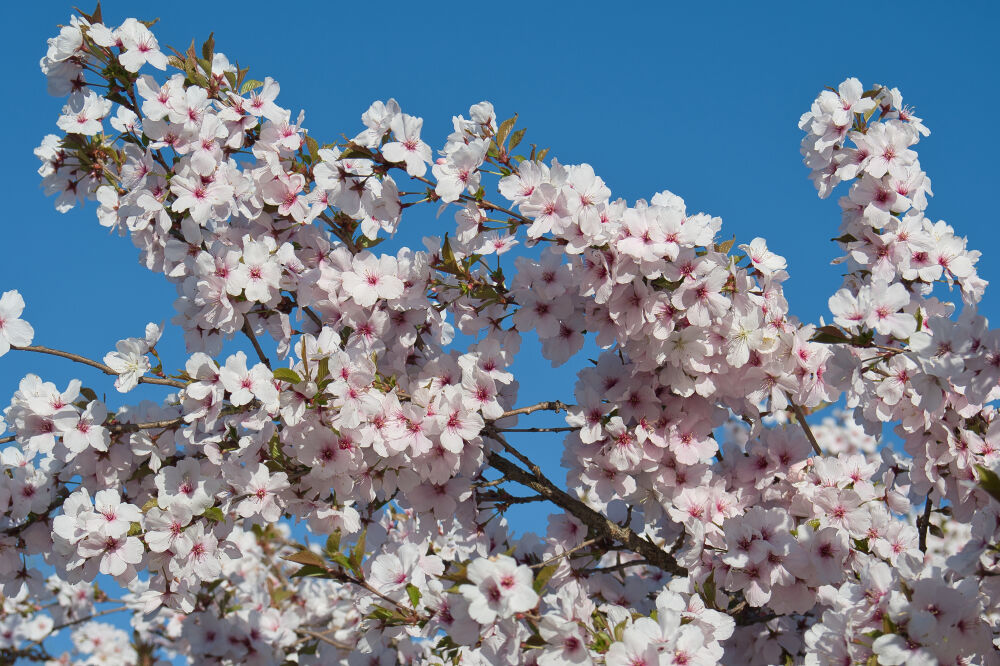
(548, 405)
(805, 426)
(325, 639)
(923, 523)
(560, 429)
(248, 331)
(602, 525)
(555, 558)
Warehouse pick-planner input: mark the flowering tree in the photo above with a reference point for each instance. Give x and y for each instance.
(339, 495)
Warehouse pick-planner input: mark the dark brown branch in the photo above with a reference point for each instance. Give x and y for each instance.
(923, 524)
(503, 497)
(600, 524)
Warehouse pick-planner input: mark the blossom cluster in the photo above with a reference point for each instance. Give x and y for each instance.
(336, 492)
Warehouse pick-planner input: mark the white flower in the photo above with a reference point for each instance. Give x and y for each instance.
(13, 330)
(129, 362)
(500, 588)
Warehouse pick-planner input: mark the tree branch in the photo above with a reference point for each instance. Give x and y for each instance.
(555, 558)
(549, 405)
(325, 639)
(805, 426)
(560, 429)
(106, 369)
(601, 524)
(923, 523)
(248, 331)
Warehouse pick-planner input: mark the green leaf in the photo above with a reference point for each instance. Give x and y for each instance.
(543, 576)
(323, 369)
(448, 255)
(208, 48)
(989, 481)
(340, 559)
(312, 570)
(541, 154)
(214, 514)
(708, 590)
(364, 242)
(134, 529)
(619, 630)
(380, 613)
(725, 246)
(88, 393)
(515, 138)
(414, 593)
(313, 146)
(287, 375)
(829, 335)
(150, 504)
(306, 556)
(333, 543)
(277, 596)
(504, 129)
(358, 552)
(250, 84)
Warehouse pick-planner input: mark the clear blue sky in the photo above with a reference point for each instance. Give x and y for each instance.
(702, 100)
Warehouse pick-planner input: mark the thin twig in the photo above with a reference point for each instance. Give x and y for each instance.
(321, 637)
(248, 331)
(70, 623)
(563, 554)
(805, 426)
(561, 429)
(618, 567)
(492, 433)
(106, 369)
(151, 425)
(550, 405)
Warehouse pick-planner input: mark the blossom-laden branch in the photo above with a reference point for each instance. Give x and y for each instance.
(106, 369)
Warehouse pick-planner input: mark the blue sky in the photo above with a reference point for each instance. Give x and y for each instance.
(701, 100)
